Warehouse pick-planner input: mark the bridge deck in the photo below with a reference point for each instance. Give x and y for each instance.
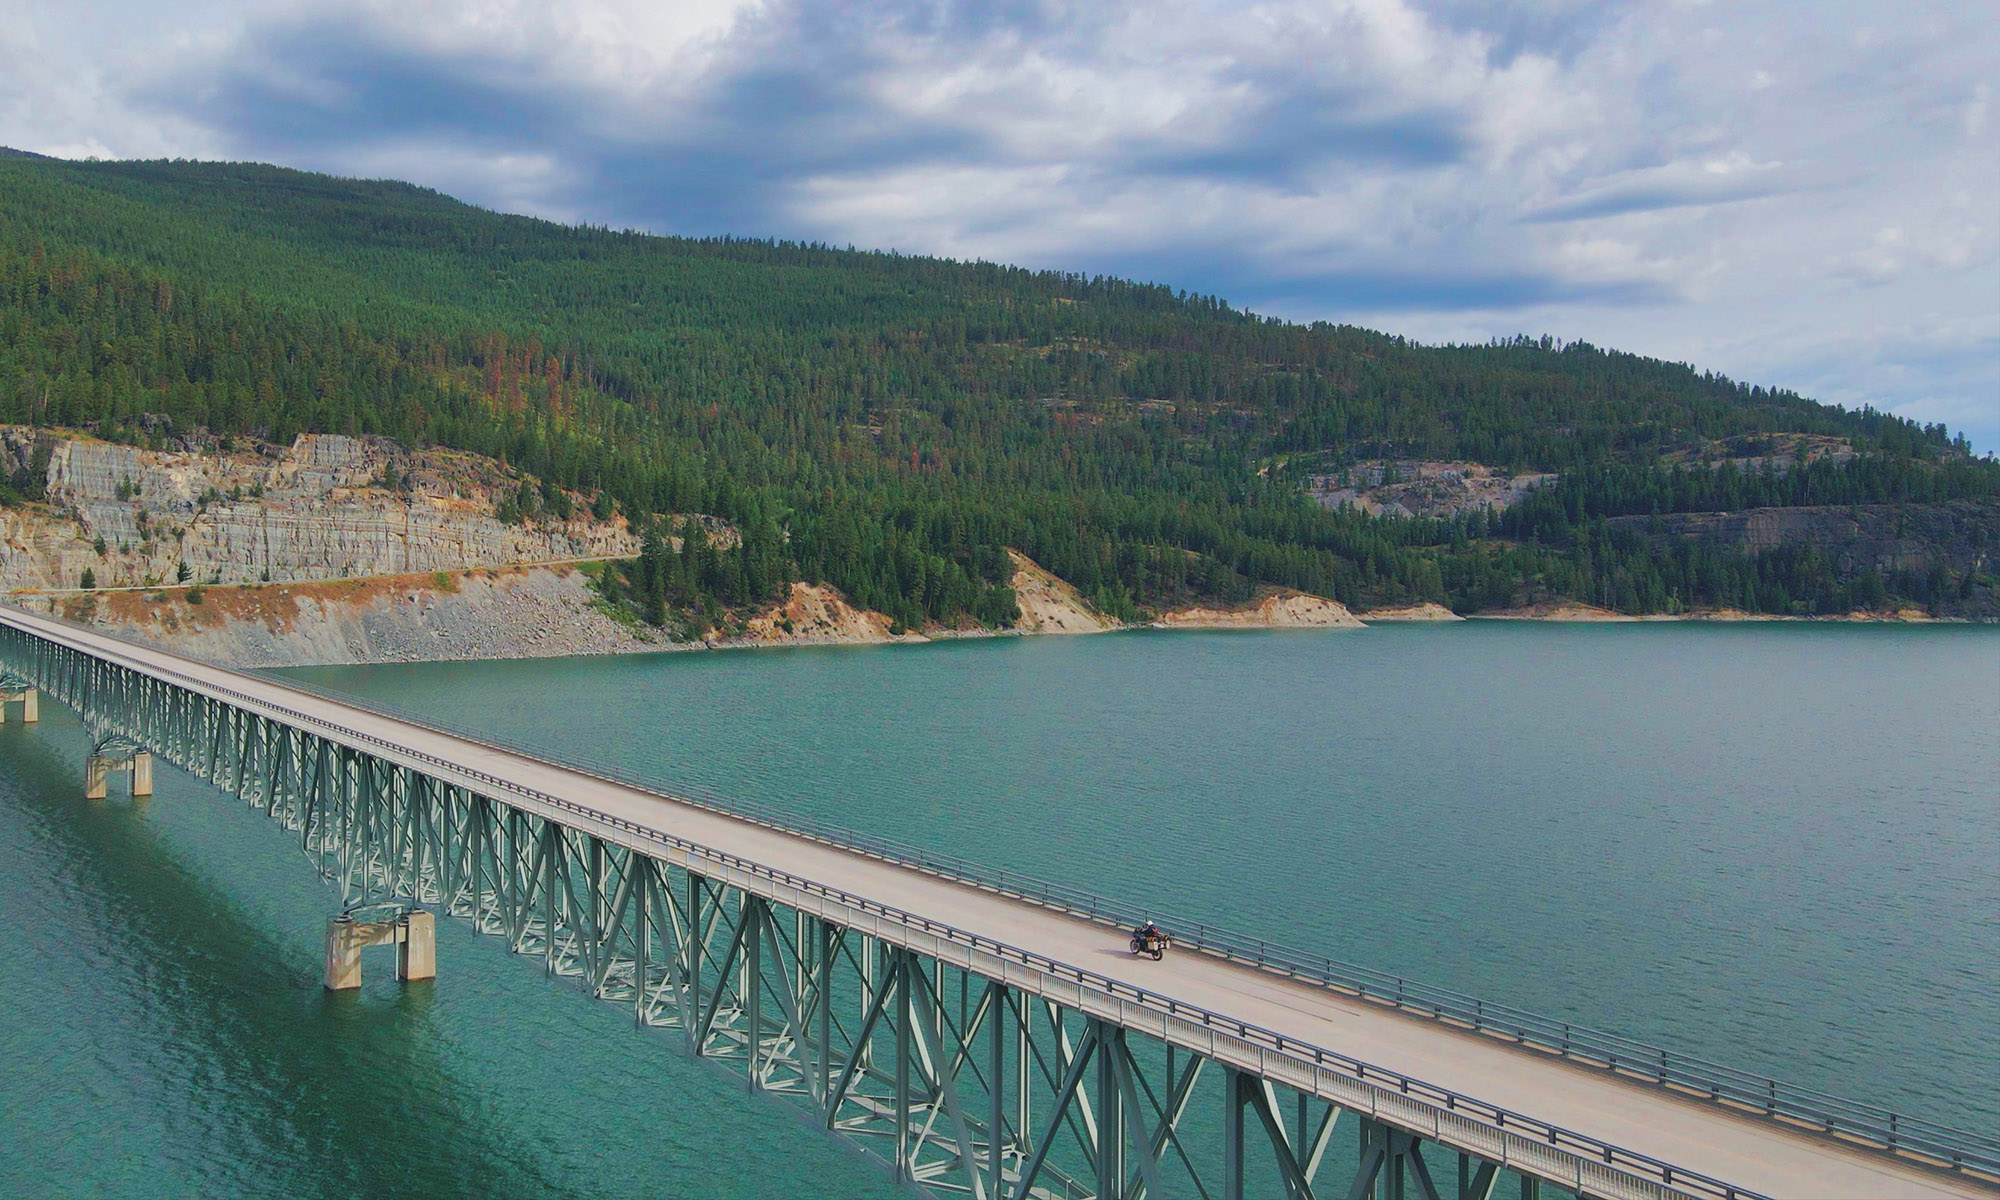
(1742, 1149)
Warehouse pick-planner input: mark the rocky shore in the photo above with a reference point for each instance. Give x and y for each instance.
(355, 550)
(1281, 609)
(531, 612)
(347, 550)
(1429, 611)
(552, 611)
(1051, 605)
(1570, 612)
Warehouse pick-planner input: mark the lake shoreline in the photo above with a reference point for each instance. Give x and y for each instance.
(1590, 614)
(552, 612)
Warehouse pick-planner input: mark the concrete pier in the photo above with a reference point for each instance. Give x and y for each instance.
(31, 706)
(414, 934)
(417, 953)
(344, 939)
(97, 771)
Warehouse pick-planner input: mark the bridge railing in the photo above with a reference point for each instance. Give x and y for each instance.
(1578, 1151)
(1852, 1120)
(1441, 1101)
(1744, 1090)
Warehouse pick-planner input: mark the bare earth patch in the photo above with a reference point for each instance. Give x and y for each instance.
(1049, 604)
(1280, 609)
(1561, 610)
(1427, 611)
(818, 615)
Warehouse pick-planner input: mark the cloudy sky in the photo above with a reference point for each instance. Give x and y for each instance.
(1799, 195)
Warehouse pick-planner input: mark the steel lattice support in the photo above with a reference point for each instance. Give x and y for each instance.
(961, 1082)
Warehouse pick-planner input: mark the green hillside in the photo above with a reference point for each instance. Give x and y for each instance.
(891, 424)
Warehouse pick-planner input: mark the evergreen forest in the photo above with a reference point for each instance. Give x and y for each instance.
(892, 425)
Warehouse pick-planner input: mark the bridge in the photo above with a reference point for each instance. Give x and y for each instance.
(980, 1032)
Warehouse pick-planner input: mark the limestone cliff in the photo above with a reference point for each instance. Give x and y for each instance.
(325, 507)
(342, 549)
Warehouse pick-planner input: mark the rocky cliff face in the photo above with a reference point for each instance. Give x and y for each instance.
(325, 507)
(1962, 537)
(338, 549)
(524, 613)
(1424, 489)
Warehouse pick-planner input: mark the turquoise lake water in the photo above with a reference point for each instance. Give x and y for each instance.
(1778, 846)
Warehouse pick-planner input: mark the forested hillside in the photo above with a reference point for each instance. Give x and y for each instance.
(892, 424)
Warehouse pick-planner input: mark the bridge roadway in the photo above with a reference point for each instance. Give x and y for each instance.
(1744, 1150)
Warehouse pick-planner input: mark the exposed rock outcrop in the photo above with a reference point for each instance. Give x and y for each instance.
(1959, 538)
(1277, 610)
(1764, 451)
(1049, 604)
(817, 615)
(526, 613)
(1557, 610)
(1428, 611)
(326, 507)
(1424, 489)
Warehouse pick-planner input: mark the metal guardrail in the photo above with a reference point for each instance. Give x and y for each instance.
(1576, 1146)
(1851, 1121)
(1880, 1127)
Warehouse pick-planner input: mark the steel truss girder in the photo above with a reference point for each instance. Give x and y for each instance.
(962, 1083)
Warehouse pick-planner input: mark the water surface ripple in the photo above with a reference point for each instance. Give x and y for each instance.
(1774, 846)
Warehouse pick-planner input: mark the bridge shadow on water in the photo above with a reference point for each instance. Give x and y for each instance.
(171, 1034)
(284, 1079)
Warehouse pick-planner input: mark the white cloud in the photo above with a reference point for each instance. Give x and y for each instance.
(1881, 260)
(1798, 202)
(621, 48)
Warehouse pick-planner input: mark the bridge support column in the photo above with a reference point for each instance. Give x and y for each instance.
(1392, 1166)
(1110, 1115)
(413, 933)
(416, 955)
(97, 771)
(31, 706)
(1236, 1098)
(344, 940)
